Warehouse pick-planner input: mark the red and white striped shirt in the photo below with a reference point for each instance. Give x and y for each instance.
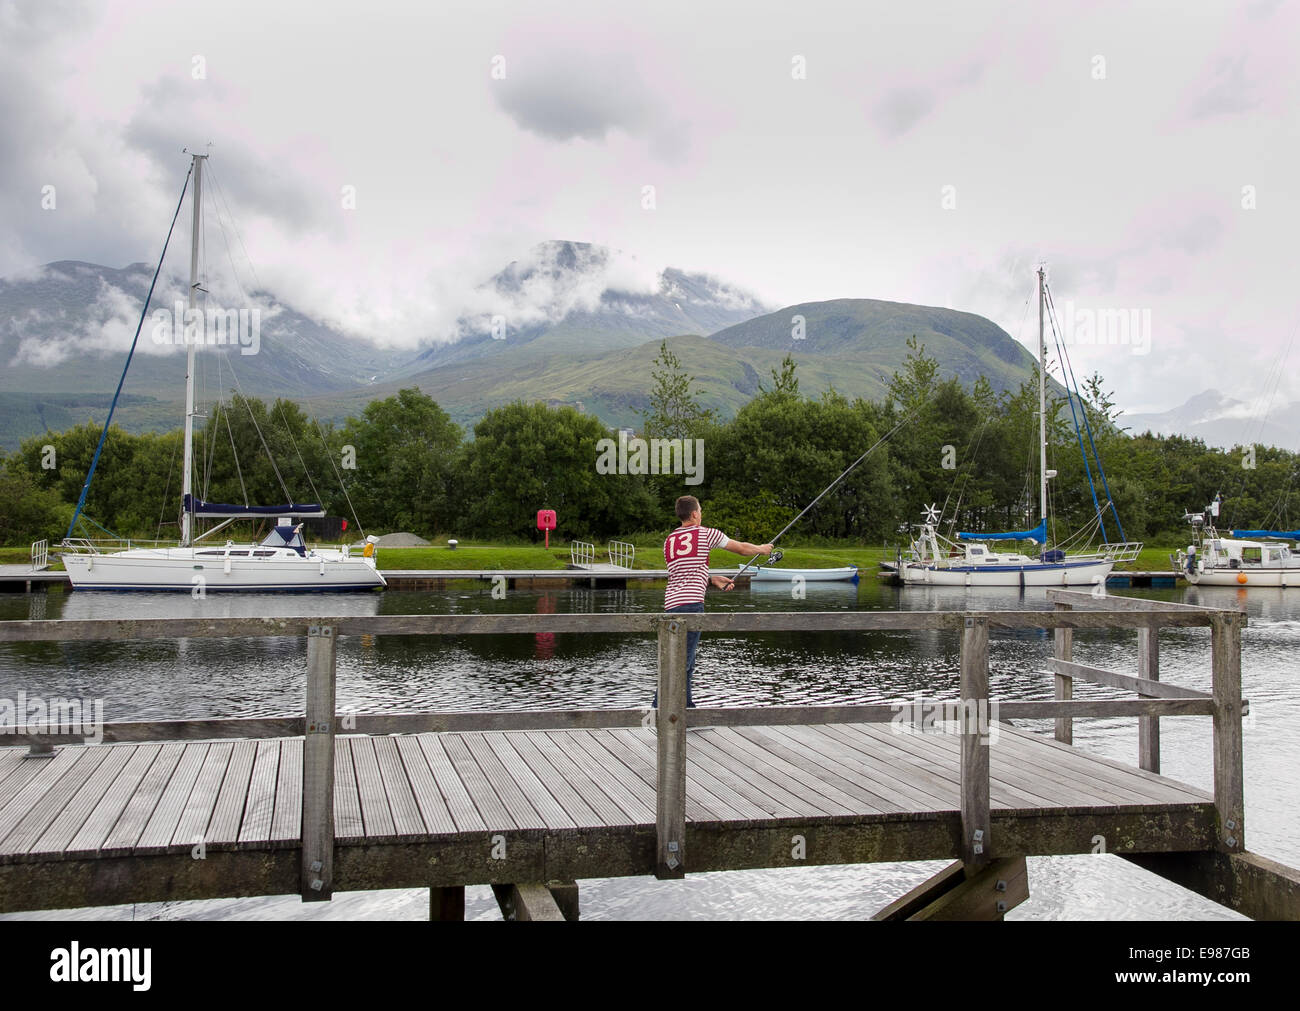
(687, 553)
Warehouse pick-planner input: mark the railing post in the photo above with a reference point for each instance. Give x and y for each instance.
(1149, 726)
(1063, 647)
(318, 767)
(1229, 797)
(670, 780)
(974, 743)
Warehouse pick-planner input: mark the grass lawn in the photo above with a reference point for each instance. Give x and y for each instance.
(474, 556)
(648, 556)
(1151, 559)
(23, 556)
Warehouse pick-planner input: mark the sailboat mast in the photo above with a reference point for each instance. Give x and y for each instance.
(1042, 402)
(190, 348)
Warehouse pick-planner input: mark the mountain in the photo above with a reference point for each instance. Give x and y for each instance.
(869, 334)
(65, 330)
(852, 345)
(569, 322)
(614, 386)
(577, 299)
(1222, 421)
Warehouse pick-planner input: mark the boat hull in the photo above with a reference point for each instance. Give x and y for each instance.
(842, 574)
(1277, 578)
(1090, 573)
(178, 569)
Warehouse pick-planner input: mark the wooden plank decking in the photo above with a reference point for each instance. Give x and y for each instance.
(119, 800)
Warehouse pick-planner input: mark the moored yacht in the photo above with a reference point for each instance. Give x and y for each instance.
(1246, 558)
(935, 560)
(280, 561)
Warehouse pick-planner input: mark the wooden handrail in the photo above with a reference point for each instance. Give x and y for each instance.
(1107, 602)
(646, 623)
(1114, 679)
(382, 724)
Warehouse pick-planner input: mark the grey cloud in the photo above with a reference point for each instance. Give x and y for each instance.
(1196, 234)
(563, 96)
(901, 109)
(172, 109)
(1262, 9)
(41, 145)
(1228, 92)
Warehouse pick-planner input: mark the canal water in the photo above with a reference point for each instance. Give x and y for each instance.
(264, 677)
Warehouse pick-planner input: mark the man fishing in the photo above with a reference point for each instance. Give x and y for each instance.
(687, 553)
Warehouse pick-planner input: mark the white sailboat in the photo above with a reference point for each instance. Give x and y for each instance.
(1246, 558)
(281, 561)
(935, 560)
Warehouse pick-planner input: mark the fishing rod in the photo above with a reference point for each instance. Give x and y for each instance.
(776, 556)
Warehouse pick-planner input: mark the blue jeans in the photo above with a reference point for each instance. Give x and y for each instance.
(692, 641)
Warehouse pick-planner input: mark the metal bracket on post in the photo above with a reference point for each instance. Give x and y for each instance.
(974, 743)
(318, 766)
(1063, 649)
(1149, 726)
(670, 766)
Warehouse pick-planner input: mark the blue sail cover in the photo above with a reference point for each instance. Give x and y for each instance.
(200, 508)
(1039, 534)
(1284, 535)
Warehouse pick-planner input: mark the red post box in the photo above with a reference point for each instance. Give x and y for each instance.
(546, 521)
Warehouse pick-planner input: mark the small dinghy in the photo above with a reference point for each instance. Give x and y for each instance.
(769, 574)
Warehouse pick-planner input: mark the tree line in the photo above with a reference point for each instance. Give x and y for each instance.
(404, 465)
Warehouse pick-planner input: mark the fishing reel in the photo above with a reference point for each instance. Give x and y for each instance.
(776, 555)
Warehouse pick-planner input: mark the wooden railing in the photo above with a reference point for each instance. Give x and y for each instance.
(321, 721)
(1225, 701)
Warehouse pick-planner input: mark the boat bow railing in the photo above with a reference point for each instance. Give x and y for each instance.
(1123, 551)
(97, 546)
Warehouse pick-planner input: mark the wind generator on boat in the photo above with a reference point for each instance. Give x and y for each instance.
(935, 560)
(281, 561)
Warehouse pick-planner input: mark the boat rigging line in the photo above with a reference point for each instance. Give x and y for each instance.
(144, 311)
(219, 202)
(1073, 391)
(776, 555)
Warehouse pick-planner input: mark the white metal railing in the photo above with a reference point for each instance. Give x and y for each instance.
(621, 554)
(582, 553)
(1126, 551)
(40, 555)
(95, 546)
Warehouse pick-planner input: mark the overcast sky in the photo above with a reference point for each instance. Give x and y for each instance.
(930, 153)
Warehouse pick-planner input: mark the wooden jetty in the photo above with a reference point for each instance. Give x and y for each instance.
(531, 802)
(596, 576)
(24, 579)
(20, 578)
